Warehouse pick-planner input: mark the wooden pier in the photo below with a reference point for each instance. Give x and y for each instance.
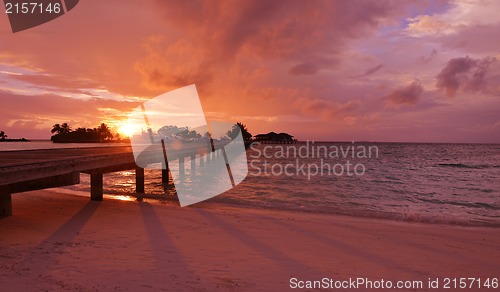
(29, 170)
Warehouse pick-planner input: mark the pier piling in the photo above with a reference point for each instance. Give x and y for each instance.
(139, 180)
(96, 187)
(164, 173)
(193, 165)
(181, 168)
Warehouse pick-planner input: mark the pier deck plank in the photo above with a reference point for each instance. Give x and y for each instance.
(27, 170)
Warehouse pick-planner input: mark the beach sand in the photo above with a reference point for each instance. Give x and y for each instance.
(58, 241)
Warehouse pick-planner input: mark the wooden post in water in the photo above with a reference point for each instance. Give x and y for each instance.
(181, 168)
(139, 180)
(164, 173)
(96, 186)
(164, 169)
(193, 165)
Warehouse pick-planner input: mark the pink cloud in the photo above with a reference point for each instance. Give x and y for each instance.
(464, 73)
(409, 94)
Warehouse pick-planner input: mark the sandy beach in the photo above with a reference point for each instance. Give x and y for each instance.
(58, 241)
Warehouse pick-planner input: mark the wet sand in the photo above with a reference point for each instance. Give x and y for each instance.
(58, 241)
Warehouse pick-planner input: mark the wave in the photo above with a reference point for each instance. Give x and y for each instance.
(404, 217)
(366, 211)
(460, 165)
(479, 205)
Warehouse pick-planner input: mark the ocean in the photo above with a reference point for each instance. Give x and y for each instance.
(434, 183)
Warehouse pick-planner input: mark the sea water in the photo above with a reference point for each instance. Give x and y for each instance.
(437, 183)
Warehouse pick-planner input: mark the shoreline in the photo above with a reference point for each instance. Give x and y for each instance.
(219, 203)
(58, 241)
(224, 207)
(15, 140)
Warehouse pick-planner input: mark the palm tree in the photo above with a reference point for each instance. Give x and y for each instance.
(56, 128)
(65, 128)
(61, 129)
(104, 132)
(244, 131)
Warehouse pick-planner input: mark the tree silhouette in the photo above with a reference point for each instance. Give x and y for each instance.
(188, 136)
(171, 131)
(61, 129)
(4, 138)
(56, 129)
(233, 133)
(66, 128)
(104, 132)
(64, 134)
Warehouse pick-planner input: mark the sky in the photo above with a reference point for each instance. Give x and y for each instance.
(406, 71)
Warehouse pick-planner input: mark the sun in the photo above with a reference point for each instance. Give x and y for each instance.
(128, 130)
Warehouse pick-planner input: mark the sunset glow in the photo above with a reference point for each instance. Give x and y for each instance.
(423, 71)
(250, 145)
(128, 130)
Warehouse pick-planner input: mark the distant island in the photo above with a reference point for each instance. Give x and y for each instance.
(5, 138)
(271, 137)
(102, 134)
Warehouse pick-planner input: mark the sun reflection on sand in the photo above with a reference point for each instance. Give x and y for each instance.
(122, 198)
